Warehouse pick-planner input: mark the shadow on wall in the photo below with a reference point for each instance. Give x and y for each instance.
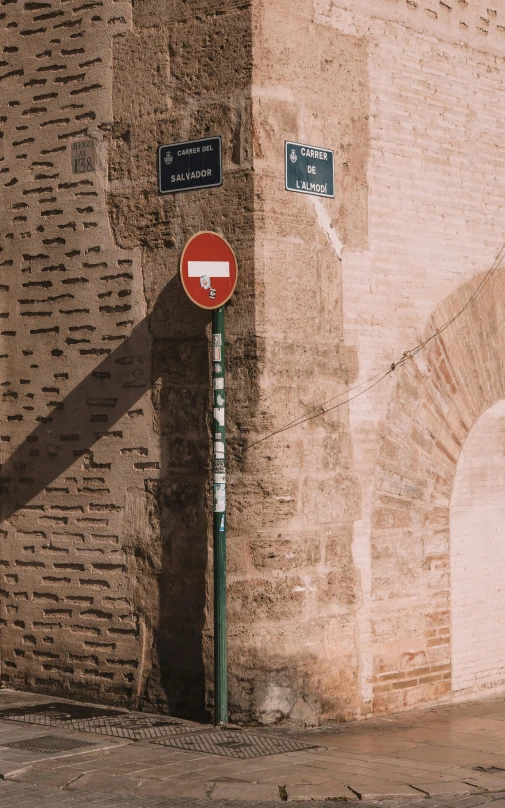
(191, 70)
(177, 500)
(181, 396)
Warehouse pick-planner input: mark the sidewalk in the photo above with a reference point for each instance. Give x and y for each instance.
(441, 753)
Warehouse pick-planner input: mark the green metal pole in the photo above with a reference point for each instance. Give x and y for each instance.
(219, 457)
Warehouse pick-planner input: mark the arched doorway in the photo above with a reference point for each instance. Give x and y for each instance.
(441, 394)
(477, 531)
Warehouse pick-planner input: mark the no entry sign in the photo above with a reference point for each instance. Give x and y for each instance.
(208, 270)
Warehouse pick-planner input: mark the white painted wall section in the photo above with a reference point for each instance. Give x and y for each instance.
(477, 521)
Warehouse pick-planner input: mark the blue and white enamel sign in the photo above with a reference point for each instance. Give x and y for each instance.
(309, 170)
(190, 165)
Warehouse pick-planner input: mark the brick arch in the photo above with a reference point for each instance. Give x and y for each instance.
(439, 396)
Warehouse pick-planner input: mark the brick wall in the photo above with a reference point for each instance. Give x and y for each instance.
(436, 184)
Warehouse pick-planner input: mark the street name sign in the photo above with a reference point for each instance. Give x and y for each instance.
(190, 165)
(208, 270)
(309, 170)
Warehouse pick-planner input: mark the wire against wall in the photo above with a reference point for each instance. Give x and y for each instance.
(373, 381)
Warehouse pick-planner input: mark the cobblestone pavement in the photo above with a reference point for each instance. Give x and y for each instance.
(453, 756)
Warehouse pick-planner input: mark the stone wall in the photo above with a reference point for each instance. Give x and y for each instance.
(207, 92)
(105, 445)
(436, 180)
(295, 573)
(74, 418)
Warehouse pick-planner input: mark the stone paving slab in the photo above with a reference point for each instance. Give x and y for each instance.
(43, 777)
(450, 787)
(328, 790)
(366, 788)
(107, 783)
(489, 782)
(245, 791)
(180, 788)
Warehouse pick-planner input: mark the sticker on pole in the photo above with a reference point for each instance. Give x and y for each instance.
(208, 270)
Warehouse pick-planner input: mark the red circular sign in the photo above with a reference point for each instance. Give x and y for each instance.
(208, 270)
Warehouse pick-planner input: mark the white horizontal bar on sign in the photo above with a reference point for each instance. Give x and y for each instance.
(213, 269)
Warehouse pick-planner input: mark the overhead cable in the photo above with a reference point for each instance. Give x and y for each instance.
(373, 381)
